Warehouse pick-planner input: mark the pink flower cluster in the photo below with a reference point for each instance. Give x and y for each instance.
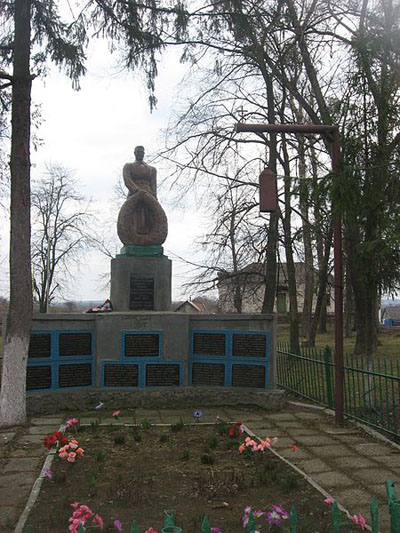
(83, 515)
(70, 451)
(274, 516)
(71, 423)
(360, 520)
(253, 446)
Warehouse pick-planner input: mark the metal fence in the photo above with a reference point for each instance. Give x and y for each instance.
(371, 385)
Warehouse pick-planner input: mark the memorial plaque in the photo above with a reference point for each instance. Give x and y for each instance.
(74, 344)
(121, 375)
(249, 345)
(162, 375)
(79, 375)
(248, 376)
(141, 297)
(142, 345)
(38, 377)
(39, 345)
(208, 374)
(209, 344)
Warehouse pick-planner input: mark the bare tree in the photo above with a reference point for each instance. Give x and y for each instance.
(60, 232)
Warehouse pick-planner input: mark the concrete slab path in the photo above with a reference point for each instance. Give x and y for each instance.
(347, 462)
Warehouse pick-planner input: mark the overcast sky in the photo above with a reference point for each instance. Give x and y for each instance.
(93, 132)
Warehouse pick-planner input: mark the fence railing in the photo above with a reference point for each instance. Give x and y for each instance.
(371, 385)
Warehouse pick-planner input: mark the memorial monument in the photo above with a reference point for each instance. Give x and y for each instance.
(141, 273)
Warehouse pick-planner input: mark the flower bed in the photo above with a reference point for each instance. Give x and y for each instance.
(126, 473)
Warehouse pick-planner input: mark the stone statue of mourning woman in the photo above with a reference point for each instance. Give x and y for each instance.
(142, 220)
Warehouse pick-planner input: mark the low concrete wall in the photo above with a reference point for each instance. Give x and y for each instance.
(188, 397)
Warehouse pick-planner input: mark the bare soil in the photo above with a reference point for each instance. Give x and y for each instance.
(135, 473)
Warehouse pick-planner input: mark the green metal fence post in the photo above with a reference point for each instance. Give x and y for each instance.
(134, 527)
(205, 525)
(293, 520)
(169, 518)
(335, 517)
(394, 506)
(328, 376)
(251, 525)
(374, 515)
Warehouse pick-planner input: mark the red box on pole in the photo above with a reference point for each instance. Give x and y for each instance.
(268, 192)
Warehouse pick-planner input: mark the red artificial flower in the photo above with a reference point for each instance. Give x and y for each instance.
(231, 432)
(294, 447)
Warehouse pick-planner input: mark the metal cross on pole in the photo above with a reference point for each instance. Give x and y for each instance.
(332, 133)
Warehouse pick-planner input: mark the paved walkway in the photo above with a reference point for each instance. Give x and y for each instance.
(346, 462)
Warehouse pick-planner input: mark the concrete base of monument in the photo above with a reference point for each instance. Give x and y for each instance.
(141, 282)
(191, 398)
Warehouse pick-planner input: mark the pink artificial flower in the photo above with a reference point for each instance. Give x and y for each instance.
(71, 457)
(117, 413)
(294, 447)
(242, 448)
(73, 446)
(72, 422)
(360, 520)
(118, 525)
(63, 454)
(79, 451)
(98, 521)
(75, 505)
(329, 501)
(151, 530)
(48, 472)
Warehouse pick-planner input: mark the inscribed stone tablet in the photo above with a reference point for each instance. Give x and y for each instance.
(121, 375)
(248, 376)
(141, 294)
(209, 343)
(72, 344)
(38, 377)
(142, 345)
(208, 374)
(249, 345)
(162, 375)
(39, 345)
(79, 375)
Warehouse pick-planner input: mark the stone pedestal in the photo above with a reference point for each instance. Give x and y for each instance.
(141, 280)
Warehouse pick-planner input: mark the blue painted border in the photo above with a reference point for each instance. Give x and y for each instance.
(55, 359)
(138, 332)
(142, 364)
(229, 359)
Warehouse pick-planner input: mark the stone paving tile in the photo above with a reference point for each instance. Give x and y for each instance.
(372, 475)
(29, 451)
(288, 424)
(243, 414)
(331, 479)
(337, 450)
(295, 456)
(331, 428)
(349, 439)
(32, 440)
(13, 495)
(315, 440)
(370, 448)
(23, 464)
(265, 431)
(46, 421)
(313, 466)
(6, 437)
(390, 461)
(281, 417)
(379, 490)
(353, 498)
(42, 430)
(349, 462)
(16, 480)
(295, 432)
(306, 415)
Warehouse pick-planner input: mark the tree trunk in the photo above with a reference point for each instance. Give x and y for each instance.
(16, 343)
(306, 234)
(291, 271)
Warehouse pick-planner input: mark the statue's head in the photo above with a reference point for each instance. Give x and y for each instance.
(139, 153)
